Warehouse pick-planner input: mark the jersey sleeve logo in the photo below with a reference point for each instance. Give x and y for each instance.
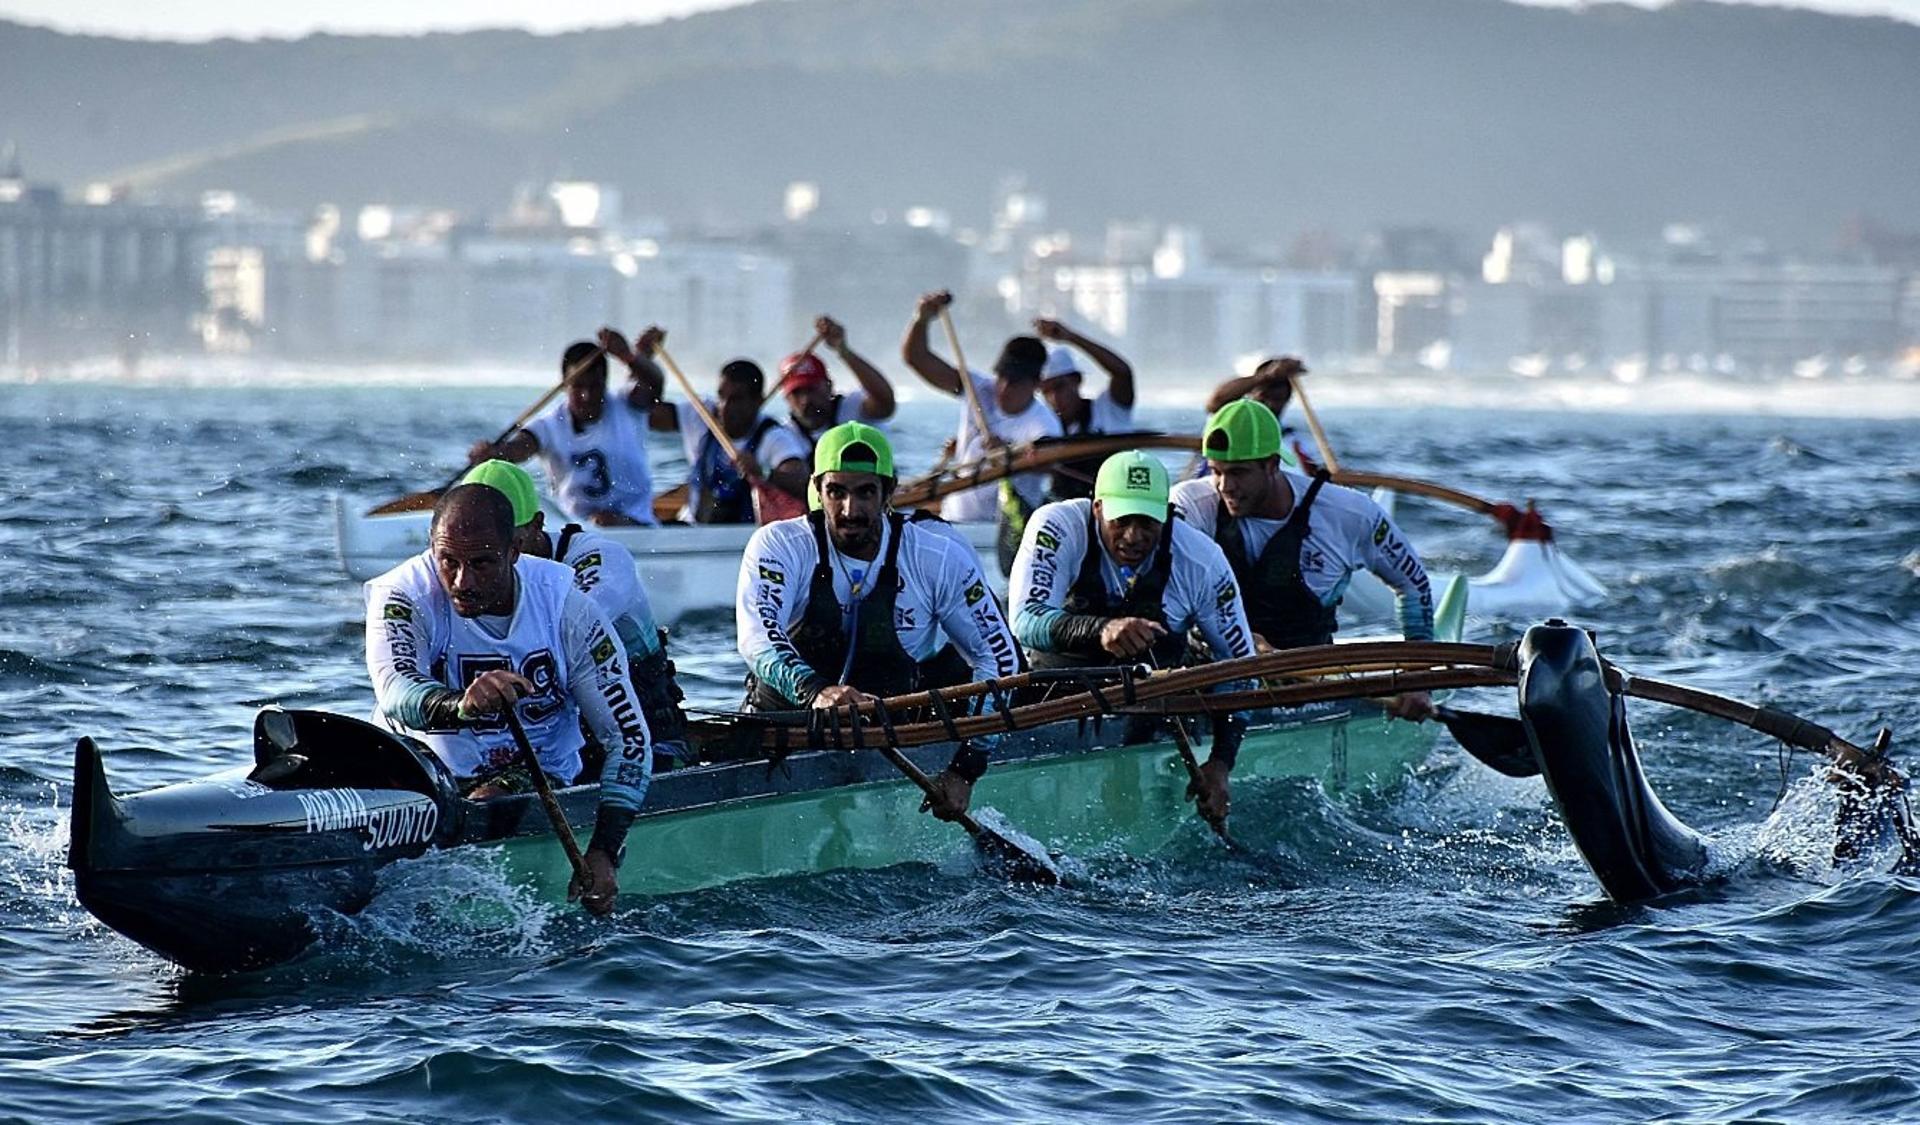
(1047, 540)
(603, 651)
(1380, 532)
(396, 611)
(976, 592)
(1226, 594)
(773, 575)
(587, 562)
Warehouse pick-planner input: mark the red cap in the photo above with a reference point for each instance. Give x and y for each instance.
(802, 369)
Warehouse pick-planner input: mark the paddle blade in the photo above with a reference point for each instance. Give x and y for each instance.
(1011, 854)
(415, 502)
(1495, 740)
(771, 504)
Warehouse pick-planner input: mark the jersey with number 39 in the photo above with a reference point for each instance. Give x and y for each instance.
(602, 468)
(418, 647)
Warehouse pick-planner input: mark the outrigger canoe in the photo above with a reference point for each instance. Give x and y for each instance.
(228, 873)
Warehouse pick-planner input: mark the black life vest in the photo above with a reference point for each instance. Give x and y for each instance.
(880, 664)
(1279, 605)
(724, 496)
(1089, 596)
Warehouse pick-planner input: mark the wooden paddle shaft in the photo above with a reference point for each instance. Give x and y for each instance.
(966, 378)
(773, 392)
(918, 776)
(1313, 423)
(706, 416)
(555, 814)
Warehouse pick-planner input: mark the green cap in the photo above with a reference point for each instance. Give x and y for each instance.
(1132, 484)
(1242, 430)
(853, 447)
(513, 482)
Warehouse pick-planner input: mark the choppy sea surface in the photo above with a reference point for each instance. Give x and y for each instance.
(167, 565)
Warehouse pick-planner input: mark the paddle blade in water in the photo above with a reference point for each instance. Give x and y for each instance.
(1010, 853)
(1495, 740)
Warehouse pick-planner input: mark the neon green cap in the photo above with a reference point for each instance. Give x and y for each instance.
(1132, 484)
(1242, 430)
(513, 482)
(853, 447)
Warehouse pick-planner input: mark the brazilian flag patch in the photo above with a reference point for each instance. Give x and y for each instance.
(976, 592)
(603, 651)
(1224, 597)
(769, 574)
(1380, 533)
(397, 611)
(1047, 540)
(587, 562)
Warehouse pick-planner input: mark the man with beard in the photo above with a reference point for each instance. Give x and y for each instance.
(1117, 580)
(604, 571)
(595, 450)
(852, 601)
(1294, 542)
(470, 627)
(813, 407)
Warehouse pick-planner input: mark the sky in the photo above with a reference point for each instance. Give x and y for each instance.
(208, 19)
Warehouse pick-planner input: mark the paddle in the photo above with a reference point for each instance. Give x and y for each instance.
(967, 388)
(1017, 863)
(1313, 423)
(1496, 740)
(1187, 759)
(420, 501)
(773, 392)
(555, 815)
(769, 503)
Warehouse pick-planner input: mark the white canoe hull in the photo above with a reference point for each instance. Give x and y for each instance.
(685, 568)
(689, 569)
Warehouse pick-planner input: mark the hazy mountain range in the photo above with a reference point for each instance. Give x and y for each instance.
(1253, 118)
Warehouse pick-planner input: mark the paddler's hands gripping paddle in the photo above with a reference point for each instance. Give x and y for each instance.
(582, 874)
(1194, 783)
(1018, 863)
(769, 503)
(421, 501)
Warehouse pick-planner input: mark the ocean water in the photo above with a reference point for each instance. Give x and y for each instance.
(166, 566)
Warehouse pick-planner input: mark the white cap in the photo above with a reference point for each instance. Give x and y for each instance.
(1059, 362)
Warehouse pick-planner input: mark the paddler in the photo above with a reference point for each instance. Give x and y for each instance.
(1117, 580)
(594, 450)
(812, 406)
(716, 490)
(604, 571)
(470, 627)
(1295, 541)
(854, 600)
(1014, 413)
(1271, 385)
(1109, 412)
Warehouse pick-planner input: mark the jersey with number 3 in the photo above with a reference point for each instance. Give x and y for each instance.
(602, 468)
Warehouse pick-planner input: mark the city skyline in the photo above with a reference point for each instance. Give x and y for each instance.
(212, 19)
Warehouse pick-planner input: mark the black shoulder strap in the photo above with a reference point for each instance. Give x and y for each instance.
(566, 537)
(760, 431)
(1299, 515)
